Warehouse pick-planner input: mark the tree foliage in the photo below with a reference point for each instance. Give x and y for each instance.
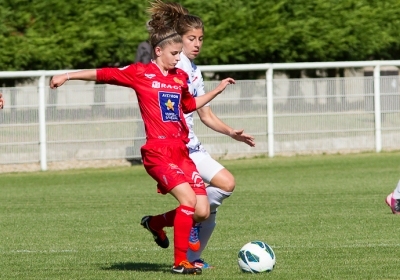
(57, 34)
(298, 30)
(61, 34)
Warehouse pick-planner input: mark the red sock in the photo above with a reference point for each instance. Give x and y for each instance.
(182, 225)
(163, 220)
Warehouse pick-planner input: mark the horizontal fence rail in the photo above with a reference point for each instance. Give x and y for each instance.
(287, 116)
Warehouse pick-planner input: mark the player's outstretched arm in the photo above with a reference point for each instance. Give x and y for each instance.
(208, 117)
(1, 101)
(85, 75)
(204, 99)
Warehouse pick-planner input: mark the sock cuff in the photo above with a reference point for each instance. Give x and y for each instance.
(186, 209)
(221, 191)
(226, 193)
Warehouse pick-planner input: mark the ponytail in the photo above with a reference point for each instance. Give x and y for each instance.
(173, 15)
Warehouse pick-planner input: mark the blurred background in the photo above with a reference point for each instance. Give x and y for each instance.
(315, 110)
(61, 34)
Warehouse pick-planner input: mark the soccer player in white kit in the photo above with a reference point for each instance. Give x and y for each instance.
(221, 181)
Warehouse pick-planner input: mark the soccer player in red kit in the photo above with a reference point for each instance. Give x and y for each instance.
(163, 97)
(221, 182)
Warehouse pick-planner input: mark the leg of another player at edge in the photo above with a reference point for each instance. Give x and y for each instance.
(220, 188)
(393, 200)
(396, 192)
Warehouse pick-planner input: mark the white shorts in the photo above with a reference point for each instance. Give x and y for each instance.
(205, 164)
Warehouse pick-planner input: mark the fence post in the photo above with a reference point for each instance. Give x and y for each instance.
(270, 111)
(377, 108)
(42, 123)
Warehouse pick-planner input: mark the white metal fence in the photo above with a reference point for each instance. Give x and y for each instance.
(88, 121)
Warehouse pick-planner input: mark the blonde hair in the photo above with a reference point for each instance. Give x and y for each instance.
(173, 15)
(161, 33)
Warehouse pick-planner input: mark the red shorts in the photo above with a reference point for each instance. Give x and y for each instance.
(168, 162)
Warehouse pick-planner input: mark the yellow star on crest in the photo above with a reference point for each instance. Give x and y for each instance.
(170, 104)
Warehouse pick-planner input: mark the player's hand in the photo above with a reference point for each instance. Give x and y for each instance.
(238, 135)
(1, 101)
(224, 83)
(58, 80)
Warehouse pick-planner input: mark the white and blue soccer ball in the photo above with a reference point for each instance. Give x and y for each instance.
(256, 257)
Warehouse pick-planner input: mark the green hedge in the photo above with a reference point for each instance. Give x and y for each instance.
(60, 34)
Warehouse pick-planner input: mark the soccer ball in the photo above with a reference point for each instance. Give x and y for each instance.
(256, 257)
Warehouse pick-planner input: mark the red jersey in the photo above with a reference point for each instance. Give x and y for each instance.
(162, 98)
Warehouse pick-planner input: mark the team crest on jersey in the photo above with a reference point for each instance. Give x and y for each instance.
(169, 105)
(178, 81)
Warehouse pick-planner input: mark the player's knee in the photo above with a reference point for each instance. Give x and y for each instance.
(201, 214)
(229, 185)
(224, 180)
(201, 217)
(189, 201)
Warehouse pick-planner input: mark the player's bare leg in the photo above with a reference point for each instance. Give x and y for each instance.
(220, 188)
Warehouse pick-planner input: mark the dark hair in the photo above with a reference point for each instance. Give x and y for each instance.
(175, 16)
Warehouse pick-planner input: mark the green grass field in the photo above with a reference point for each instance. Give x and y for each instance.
(324, 216)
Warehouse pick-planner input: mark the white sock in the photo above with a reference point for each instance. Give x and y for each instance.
(396, 193)
(205, 232)
(215, 198)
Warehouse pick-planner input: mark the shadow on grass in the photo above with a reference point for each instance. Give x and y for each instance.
(139, 267)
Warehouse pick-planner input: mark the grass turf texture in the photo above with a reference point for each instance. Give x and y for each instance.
(324, 216)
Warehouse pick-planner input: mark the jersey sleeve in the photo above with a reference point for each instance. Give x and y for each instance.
(200, 85)
(188, 101)
(124, 76)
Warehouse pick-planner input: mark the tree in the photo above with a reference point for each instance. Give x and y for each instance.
(60, 34)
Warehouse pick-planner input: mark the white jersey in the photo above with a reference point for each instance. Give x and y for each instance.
(196, 88)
